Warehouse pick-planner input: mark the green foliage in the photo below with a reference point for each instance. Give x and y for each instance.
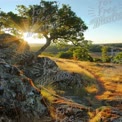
(82, 54)
(118, 58)
(78, 52)
(97, 60)
(98, 47)
(105, 57)
(67, 54)
(48, 54)
(57, 24)
(14, 23)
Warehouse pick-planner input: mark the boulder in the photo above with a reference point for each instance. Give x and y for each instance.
(45, 71)
(17, 94)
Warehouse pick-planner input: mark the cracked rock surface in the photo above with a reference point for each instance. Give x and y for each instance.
(16, 93)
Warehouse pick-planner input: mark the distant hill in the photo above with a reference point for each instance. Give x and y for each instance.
(51, 49)
(97, 47)
(94, 48)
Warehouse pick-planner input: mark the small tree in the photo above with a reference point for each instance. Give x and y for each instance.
(67, 54)
(55, 24)
(82, 54)
(118, 58)
(105, 57)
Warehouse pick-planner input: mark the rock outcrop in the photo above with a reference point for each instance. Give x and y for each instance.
(22, 78)
(44, 71)
(21, 75)
(17, 94)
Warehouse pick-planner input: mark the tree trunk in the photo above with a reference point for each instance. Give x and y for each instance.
(48, 42)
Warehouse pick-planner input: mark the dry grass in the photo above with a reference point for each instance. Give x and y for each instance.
(72, 66)
(92, 89)
(109, 74)
(48, 93)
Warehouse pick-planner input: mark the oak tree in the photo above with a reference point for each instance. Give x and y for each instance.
(56, 24)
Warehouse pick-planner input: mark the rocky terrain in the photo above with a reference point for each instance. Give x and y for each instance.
(24, 92)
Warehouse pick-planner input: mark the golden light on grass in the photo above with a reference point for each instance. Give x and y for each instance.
(48, 93)
(72, 66)
(92, 89)
(110, 77)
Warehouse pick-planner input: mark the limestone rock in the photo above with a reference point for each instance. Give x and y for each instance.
(44, 71)
(17, 94)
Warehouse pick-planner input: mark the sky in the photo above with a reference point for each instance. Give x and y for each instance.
(103, 17)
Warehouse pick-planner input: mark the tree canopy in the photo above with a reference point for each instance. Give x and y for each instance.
(56, 24)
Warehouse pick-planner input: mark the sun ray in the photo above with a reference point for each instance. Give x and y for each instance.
(22, 47)
(31, 39)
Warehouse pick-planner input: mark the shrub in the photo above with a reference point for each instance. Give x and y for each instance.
(67, 54)
(105, 57)
(118, 58)
(76, 53)
(82, 54)
(97, 60)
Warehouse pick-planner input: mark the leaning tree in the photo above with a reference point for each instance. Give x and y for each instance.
(55, 24)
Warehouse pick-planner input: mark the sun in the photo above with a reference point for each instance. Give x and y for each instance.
(32, 39)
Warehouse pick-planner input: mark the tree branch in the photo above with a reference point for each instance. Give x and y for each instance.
(48, 42)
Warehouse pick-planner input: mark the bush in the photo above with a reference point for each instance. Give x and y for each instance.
(67, 54)
(118, 58)
(82, 54)
(48, 54)
(97, 60)
(105, 56)
(76, 53)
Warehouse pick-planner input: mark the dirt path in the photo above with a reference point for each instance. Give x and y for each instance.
(101, 88)
(99, 83)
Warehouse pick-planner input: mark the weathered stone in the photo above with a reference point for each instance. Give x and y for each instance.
(16, 93)
(26, 58)
(45, 71)
(66, 113)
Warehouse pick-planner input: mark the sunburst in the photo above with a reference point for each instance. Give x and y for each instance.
(29, 37)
